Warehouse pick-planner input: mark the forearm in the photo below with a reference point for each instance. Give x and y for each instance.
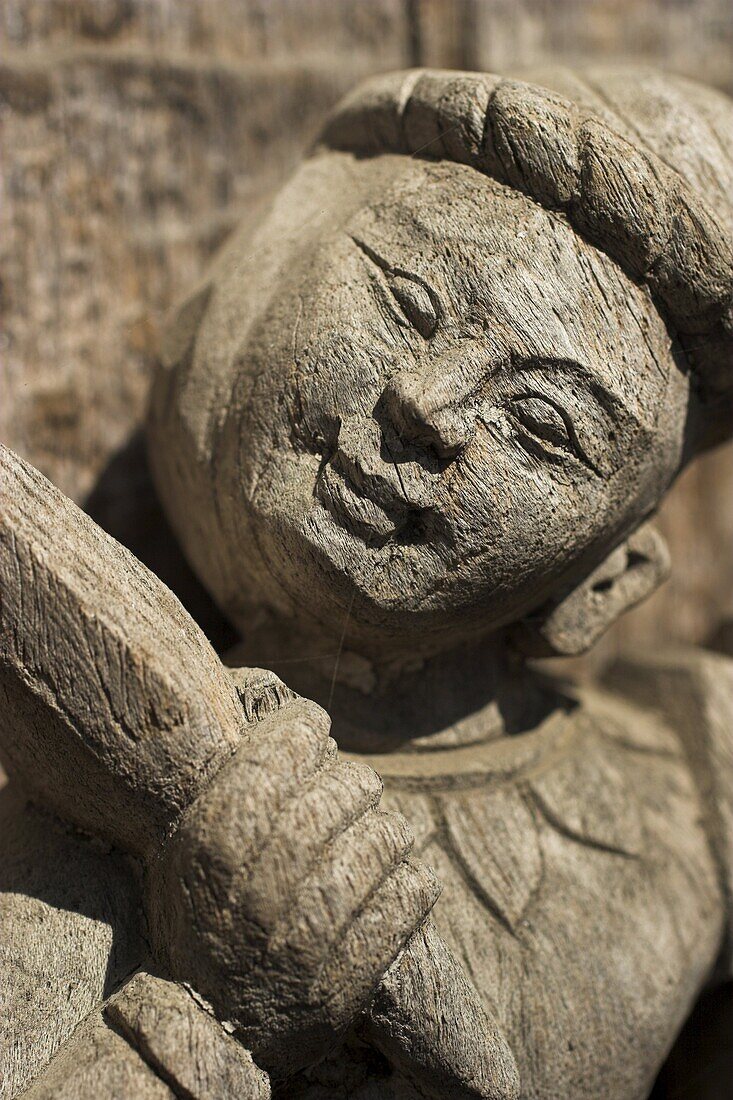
(116, 711)
(272, 881)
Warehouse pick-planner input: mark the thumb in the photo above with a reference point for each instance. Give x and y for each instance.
(428, 1022)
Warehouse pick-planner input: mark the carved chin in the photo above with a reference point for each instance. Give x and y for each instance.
(397, 578)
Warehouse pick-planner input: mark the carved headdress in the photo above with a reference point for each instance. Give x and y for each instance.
(640, 164)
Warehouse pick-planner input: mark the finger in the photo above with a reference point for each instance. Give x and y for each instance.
(427, 1020)
(374, 939)
(260, 692)
(195, 884)
(353, 867)
(325, 807)
(242, 805)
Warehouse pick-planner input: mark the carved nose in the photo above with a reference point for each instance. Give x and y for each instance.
(358, 451)
(360, 456)
(422, 408)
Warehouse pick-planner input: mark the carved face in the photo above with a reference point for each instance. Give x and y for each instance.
(446, 404)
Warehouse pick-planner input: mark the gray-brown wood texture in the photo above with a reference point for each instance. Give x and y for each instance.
(99, 727)
(135, 133)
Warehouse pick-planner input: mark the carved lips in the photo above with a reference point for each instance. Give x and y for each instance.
(358, 513)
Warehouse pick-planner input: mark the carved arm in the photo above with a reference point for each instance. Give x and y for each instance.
(272, 882)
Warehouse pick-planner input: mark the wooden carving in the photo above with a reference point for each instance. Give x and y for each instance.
(410, 434)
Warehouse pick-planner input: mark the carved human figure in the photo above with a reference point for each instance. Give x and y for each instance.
(409, 434)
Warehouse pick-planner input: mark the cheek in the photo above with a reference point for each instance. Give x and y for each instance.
(338, 383)
(342, 356)
(521, 520)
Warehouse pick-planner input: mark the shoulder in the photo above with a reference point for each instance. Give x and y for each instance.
(689, 675)
(692, 689)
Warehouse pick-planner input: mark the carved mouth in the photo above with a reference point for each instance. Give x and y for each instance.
(376, 522)
(395, 521)
(358, 513)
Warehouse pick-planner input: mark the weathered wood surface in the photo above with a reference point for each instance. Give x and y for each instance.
(135, 133)
(97, 1062)
(273, 883)
(84, 900)
(182, 1040)
(116, 711)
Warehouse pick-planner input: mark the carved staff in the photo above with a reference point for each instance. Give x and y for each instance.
(272, 882)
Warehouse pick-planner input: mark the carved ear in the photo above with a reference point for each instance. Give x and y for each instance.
(627, 576)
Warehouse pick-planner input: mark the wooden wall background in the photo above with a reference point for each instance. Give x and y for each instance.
(135, 133)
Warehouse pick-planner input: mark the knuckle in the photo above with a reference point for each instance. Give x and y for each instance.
(314, 718)
(398, 837)
(363, 785)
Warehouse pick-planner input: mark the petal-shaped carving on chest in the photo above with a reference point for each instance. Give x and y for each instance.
(590, 795)
(419, 811)
(493, 838)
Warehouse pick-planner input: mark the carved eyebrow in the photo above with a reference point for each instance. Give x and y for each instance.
(371, 254)
(391, 269)
(562, 369)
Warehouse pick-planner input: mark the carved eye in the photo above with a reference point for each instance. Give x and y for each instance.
(416, 304)
(546, 428)
(545, 421)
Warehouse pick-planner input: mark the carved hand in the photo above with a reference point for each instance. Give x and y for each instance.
(286, 894)
(273, 883)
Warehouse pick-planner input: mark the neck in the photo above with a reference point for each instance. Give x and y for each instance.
(473, 693)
